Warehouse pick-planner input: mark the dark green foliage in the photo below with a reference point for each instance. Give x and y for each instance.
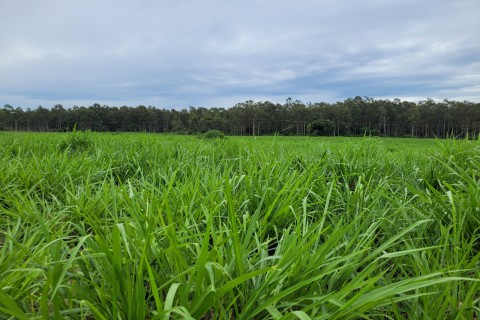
(212, 135)
(352, 117)
(322, 127)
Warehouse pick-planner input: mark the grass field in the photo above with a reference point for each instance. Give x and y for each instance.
(138, 226)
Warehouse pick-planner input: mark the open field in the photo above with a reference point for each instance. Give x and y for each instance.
(137, 226)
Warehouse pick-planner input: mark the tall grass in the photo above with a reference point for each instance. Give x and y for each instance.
(155, 227)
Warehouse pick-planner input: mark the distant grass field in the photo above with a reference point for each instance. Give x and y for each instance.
(392, 144)
(147, 226)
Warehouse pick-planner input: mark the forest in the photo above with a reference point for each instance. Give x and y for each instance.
(351, 117)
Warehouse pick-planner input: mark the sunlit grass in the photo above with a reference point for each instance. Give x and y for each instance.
(151, 227)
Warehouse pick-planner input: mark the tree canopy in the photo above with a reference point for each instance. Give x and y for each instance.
(353, 116)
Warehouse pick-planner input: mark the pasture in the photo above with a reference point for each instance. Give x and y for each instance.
(147, 226)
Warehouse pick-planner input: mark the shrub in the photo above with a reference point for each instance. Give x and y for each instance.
(213, 134)
(322, 127)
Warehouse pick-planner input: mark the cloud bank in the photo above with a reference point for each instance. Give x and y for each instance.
(176, 54)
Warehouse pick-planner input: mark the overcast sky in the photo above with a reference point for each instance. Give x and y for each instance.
(215, 53)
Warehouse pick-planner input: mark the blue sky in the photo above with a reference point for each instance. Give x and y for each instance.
(214, 53)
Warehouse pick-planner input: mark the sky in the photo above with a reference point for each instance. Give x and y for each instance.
(214, 53)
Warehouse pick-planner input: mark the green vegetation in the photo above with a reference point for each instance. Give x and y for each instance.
(137, 226)
(321, 128)
(77, 141)
(351, 117)
(212, 134)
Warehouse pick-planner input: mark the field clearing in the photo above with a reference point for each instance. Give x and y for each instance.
(147, 226)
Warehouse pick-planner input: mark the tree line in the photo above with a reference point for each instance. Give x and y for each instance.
(353, 116)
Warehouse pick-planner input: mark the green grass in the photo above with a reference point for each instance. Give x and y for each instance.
(137, 226)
